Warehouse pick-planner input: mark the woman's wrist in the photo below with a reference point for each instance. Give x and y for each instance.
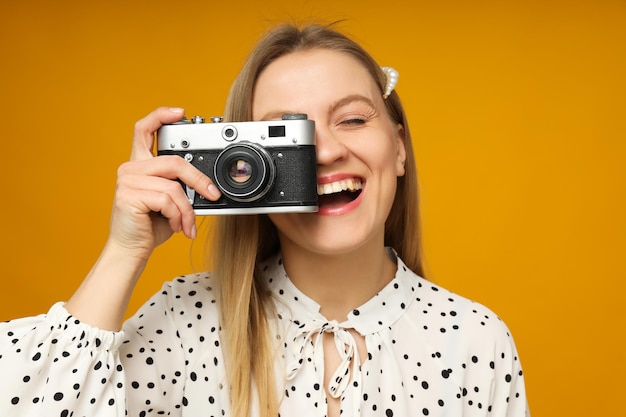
(102, 298)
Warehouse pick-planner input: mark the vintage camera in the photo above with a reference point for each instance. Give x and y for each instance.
(260, 166)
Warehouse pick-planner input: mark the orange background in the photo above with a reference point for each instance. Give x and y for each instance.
(517, 110)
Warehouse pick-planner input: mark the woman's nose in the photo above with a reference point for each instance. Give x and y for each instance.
(329, 147)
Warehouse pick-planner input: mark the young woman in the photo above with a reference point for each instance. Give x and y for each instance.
(304, 314)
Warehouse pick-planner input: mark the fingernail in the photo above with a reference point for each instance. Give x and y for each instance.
(194, 232)
(177, 110)
(214, 192)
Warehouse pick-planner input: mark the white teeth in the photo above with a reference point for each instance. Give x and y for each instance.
(351, 184)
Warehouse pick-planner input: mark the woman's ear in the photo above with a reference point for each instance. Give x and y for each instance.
(400, 150)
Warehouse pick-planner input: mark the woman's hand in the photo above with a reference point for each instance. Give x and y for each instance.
(149, 204)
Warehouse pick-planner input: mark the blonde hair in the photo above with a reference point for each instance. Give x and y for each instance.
(241, 242)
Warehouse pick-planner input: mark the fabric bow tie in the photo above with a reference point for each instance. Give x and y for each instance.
(307, 343)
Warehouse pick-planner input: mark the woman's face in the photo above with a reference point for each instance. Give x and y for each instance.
(360, 150)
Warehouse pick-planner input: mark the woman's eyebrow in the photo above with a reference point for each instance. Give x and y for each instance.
(349, 100)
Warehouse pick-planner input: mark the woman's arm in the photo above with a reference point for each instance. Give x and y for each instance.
(146, 186)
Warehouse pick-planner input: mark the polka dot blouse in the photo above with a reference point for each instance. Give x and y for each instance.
(429, 353)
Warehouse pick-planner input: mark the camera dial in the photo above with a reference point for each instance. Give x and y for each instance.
(295, 116)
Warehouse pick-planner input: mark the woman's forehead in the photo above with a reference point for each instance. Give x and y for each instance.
(315, 62)
(314, 76)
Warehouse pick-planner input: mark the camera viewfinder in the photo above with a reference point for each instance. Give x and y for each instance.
(277, 131)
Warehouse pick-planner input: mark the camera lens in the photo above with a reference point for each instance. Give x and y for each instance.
(240, 171)
(244, 171)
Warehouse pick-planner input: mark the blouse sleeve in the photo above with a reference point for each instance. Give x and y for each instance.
(508, 395)
(54, 365)
(493, 378)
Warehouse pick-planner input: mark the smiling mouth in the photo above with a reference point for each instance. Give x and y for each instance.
(338, 193)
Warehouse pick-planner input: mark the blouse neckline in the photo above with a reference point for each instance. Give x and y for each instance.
(380, 312)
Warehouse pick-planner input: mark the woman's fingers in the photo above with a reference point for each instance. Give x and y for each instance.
(150, 186)
(173, 168)
(146, 195)
(145, 128)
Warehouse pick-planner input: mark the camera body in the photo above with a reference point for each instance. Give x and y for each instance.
(260, 166)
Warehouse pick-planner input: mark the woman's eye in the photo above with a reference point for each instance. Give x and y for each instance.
(354, 121)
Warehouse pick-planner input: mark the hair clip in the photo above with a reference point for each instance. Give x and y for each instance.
(392, 80)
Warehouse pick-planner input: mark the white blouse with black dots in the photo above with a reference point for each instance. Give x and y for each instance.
(429, 353)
